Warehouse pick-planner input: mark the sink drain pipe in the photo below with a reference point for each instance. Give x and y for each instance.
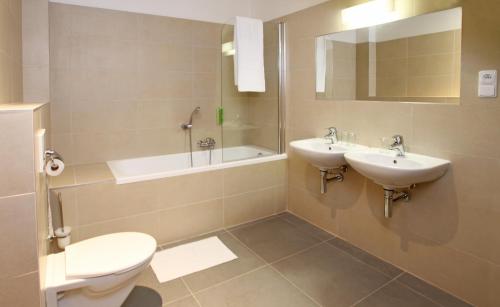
(392, 196)
(331, 175)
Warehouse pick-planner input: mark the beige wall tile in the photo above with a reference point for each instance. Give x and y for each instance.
(88, 173)
(116, 86)
(16, 137)
(35, 51)
(145, 223)
(22, 291)
(304, 204)
(253, 205)
(184, 222)
(11, 79)
(253, 177)
(20, 246)
(441, 265)
(206, 59)
(107, 201)
(206, 34)
(442, 127)
(182, 190)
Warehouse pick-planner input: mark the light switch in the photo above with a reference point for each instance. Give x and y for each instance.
(487, 83)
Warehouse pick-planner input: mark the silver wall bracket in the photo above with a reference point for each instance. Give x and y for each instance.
(331, 175)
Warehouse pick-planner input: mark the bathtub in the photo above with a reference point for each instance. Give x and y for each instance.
(149, 168)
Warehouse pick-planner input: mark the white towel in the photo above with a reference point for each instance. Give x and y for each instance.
(249, 73)
(320, 64)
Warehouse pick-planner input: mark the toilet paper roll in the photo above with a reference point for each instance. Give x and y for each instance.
(54, 168)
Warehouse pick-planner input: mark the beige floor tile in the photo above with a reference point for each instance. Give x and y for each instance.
(396, 295)
(439, 296)
(263, 288)
(142, 297)
(376, 263)
(305, 226)
(168, 291)
(186, 302)
(274, 239)
(246, 261)
(330, 276)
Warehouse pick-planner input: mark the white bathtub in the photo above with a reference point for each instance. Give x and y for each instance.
(149, 168)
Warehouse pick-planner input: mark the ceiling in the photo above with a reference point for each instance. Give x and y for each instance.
(220, 11)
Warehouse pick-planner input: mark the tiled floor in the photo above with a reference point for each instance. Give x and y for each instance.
(285, 261)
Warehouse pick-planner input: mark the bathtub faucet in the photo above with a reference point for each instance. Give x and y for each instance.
(189, 124)
(208, 142)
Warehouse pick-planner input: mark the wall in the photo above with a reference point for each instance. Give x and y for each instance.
(169, 209)
(218, 11)
(41, 120)
(268, 10)
(35, 50)
(122, 83)
(21, 203)
(11, 76)
(448, 233)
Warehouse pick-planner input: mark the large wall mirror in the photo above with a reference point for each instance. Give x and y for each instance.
(415, 59)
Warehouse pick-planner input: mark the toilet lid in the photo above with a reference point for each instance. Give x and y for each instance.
(108, 254)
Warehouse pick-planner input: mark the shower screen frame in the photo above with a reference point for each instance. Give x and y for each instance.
(231, 100)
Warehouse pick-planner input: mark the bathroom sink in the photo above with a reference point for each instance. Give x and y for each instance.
(392, 172)
(322, 154)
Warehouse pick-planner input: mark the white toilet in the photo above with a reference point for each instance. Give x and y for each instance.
(98, 272)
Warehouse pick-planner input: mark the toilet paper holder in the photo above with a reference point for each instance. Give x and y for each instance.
(50, 156)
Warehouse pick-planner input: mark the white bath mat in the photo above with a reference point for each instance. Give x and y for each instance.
(189, 258)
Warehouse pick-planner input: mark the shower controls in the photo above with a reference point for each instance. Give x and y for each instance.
(208, 142)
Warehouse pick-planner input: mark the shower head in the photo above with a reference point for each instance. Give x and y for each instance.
(196, 110)
(189, 124)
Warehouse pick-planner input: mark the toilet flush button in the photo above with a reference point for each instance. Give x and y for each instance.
(487, 83)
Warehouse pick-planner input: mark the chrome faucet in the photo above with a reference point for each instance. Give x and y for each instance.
(208, 142)
(398, 145)
(332, 135)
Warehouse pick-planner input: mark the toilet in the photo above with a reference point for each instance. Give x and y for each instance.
(98, 272)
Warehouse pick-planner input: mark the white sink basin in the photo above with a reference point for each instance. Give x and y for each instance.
(397, 172)
(322, 154)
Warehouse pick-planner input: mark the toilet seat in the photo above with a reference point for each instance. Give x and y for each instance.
(109, 254)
